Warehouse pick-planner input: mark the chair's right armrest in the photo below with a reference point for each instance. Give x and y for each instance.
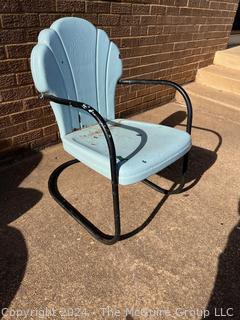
(169, 83)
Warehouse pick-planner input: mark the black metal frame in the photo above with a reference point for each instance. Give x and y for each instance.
(52, 184)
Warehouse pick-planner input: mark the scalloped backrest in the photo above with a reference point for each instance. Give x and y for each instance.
(75, 60)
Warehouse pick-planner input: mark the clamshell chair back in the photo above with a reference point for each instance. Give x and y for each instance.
(75, 60)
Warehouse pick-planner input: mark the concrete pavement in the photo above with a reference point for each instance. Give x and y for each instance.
(185, 261)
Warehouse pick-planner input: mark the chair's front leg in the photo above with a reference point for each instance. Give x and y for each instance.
(78, 216)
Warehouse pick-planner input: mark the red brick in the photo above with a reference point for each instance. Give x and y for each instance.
(148, 20)
(131, 62)
(155, 30)
(7, 81)
(130, 104)
(199, 4)
(130, 42)
(19, 50)
(166, 20)
(2, 53)
(149, 97)
(28, 136)
(155, 58)
(149, 40)
(19, 20)
(140, 9)
(10, 66)
(128, 96)
(98, 7)
(143, 92)
(10, 107)
(182, 3)
(144, 69)
(13, 130)
(16, 93)
(91, 17)
(47, 111)
(172, 11)
(38, 5)
(148, 50)
(167, 2)
(5, 121)
(186, 11)
(121, 8)
(139, 31)
(118, 32)
(24, 78)
(41, 122)
(129, 20)
(70, 6)
(108, 19)
(31, 34)
(12, 36)
(26, 115)
(122, 89)
(34, 102)
(53, 128)
(158, 10)
(10, 6)
(47, 19)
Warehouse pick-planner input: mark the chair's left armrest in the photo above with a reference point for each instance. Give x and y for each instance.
(100, 120)
(172, 84)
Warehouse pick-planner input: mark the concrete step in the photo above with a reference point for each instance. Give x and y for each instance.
(221, 103)
(220, 77)
(229, 58)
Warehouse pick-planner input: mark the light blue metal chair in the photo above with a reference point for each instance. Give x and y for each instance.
(77, 68)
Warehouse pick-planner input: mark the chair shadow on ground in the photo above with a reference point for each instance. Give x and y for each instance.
(226, 291)
(14, 202)
(200, 159)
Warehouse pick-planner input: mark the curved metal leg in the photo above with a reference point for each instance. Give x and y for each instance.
(88, 225)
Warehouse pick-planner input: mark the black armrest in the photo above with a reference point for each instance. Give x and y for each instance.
(171, 84)
(102, 123)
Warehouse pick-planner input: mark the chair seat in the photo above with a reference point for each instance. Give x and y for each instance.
(142, 148)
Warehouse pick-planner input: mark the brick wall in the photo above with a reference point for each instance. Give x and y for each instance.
(157, 38)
